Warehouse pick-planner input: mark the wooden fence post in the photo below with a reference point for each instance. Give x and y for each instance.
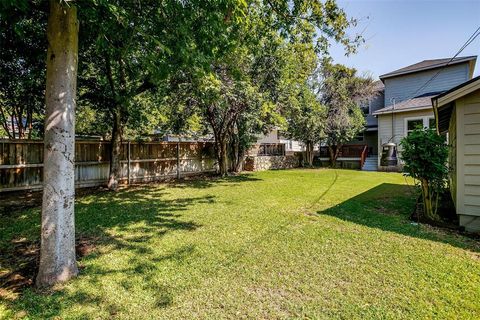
(128, 162)
(178, 160)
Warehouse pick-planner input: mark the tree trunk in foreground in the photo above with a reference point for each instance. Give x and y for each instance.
(57, 251)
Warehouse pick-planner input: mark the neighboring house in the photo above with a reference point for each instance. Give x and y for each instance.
(370, 135)
(457, 113)
(408, 93)
(275, 136)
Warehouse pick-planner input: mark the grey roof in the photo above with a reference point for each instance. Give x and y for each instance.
(423, 101)
(426, 65)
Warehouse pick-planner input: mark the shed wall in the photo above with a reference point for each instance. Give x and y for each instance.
(452, 158)
(468, 160)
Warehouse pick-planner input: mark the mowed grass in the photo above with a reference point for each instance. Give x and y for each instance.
(322, 244)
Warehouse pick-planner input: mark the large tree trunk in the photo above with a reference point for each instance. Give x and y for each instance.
(116, 144)
(334, 150)
(57, 251)
(222, 157)
(309, 153)
(239, 160)
(237, 153)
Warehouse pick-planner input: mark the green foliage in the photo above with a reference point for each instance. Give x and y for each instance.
(22, 68)
(306, 119)
(425, 155)
(341, 90)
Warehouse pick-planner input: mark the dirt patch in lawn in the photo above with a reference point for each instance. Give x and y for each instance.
(19, 265)
(16, 201)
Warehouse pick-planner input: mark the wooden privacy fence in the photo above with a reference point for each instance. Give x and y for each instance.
(21, 162)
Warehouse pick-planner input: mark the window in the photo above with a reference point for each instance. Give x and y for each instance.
(414, 124)
(365, 107)
(422, 122)
(359, 137)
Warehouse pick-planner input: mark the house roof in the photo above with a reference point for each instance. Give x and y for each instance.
(421, 102)
(427, 65)
(443, 103)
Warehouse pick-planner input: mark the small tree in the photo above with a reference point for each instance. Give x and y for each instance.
(306, 121)
(425, 155)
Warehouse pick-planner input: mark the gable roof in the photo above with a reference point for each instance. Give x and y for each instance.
(442, 103)
(427, 65)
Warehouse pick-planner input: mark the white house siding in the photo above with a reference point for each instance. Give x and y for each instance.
(399, 124)
(292, 145)
(271, 137)
(274, 137)
(468, 161)
(403, 87)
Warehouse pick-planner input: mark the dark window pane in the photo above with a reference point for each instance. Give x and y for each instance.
(413, 124)
(431, 123)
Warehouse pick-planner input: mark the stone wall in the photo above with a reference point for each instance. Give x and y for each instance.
(260, 163)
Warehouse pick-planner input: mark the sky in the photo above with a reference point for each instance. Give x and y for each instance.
(399, 33)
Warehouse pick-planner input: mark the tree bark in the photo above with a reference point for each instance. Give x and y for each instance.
(116, 144)
(334, 151)
(309, 153)
(222, 157)
(57, 250)
(237, 152)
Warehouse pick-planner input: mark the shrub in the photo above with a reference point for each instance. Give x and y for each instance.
(425, 155)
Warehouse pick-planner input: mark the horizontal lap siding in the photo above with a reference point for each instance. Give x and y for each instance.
(385, 126)
(468, 111)
(403, 87)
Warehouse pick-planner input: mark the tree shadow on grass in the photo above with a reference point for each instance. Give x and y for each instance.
(126, 220)
(204, 182)
(387, 207)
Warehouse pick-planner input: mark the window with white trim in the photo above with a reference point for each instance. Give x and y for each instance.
(411, 124)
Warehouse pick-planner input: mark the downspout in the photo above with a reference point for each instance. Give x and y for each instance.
(393, 122)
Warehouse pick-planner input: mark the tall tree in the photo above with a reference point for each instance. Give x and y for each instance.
(340, 89)
(57, 251)
(224, 95)
(252, 70)
(301, 105)
(137, 46)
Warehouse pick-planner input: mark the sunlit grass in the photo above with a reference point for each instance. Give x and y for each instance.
(277, 244)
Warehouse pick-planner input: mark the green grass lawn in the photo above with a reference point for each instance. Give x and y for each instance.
(320, 244)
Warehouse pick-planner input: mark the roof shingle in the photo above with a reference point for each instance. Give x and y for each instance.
(423, 101)
(426, 65)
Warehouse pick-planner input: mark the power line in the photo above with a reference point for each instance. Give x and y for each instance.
(466, 44)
